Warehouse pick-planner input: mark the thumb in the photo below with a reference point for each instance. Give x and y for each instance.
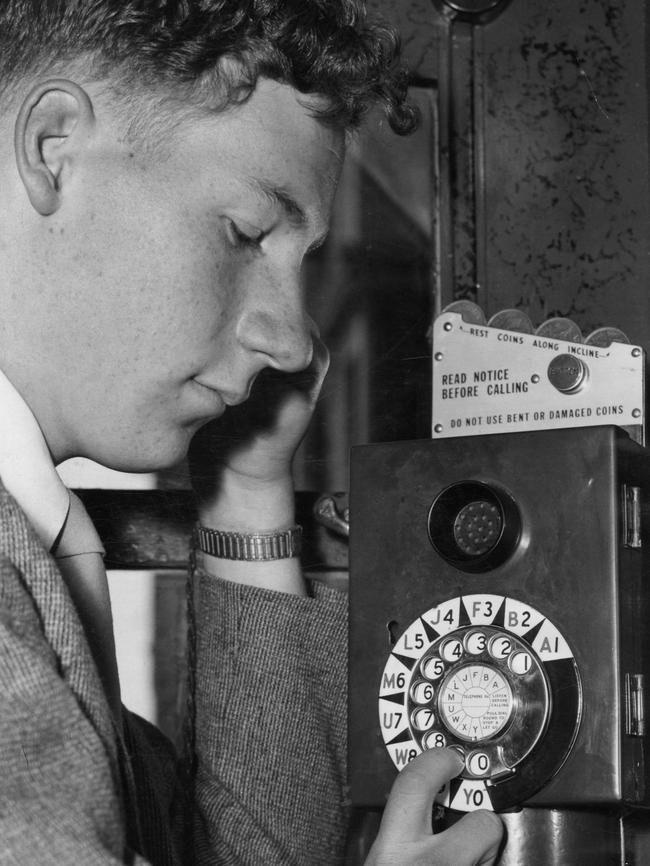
(407, 814)
(474, 839)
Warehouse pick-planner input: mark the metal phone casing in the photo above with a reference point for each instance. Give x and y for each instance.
(572, 562)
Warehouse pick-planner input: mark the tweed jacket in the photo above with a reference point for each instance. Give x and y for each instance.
(264, 781)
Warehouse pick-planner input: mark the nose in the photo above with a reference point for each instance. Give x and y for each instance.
(281, 336)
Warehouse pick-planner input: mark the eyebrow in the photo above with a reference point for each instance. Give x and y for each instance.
(280, 197)
(293, 212)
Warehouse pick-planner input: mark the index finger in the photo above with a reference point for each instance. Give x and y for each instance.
(408, 812)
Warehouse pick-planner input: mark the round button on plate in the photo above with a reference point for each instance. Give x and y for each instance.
(567, 373)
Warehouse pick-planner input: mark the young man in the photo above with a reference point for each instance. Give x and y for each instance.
(165, 167)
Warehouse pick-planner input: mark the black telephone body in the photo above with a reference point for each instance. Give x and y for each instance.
(497, 606)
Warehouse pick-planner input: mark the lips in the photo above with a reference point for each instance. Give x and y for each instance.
(212, 403)
(228, 398)
(234, 399)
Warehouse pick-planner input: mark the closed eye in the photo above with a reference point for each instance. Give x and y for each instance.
(247, 237)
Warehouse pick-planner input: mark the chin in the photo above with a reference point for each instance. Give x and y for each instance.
(158, 454)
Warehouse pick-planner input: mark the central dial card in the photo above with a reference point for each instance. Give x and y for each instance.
(476, 702)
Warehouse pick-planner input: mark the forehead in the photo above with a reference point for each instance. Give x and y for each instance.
(271, 146)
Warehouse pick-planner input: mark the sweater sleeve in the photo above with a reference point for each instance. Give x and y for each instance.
(269, 725)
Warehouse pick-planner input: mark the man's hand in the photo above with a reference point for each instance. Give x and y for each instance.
(241, 469)
(253, 444)
(405, 837)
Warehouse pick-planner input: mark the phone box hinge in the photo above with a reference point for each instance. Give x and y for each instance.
(631, 516)
(634, 705)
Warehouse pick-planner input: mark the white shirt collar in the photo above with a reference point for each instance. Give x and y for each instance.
(26, 466)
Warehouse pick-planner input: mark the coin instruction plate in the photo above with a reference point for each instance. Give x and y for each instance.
(488, 380)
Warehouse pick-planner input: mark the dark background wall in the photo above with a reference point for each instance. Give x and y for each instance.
(565, 128)
(527, 186)
(544, 119)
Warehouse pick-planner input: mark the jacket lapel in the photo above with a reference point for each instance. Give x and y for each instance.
(60, 622)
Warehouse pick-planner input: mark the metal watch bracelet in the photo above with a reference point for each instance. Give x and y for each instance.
(249, 547)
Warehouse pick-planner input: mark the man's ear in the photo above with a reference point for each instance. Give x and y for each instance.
(54, 121)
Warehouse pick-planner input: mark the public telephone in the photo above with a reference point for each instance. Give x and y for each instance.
(497, 600)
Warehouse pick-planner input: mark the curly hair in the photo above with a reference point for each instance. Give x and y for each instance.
(213, 51)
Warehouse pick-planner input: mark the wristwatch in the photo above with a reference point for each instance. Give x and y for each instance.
(249, 547)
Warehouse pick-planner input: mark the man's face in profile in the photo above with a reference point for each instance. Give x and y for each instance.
(178, 272)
